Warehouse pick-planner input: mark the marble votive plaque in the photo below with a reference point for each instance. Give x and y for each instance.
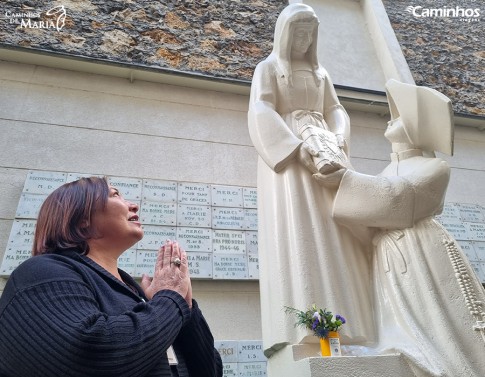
(230, 266)
(145, 262)
(228, 218)
(228, 349)
(43, 182)
(250, 197)
(227, 196)
(476, 231)
(155, 236)
(159, 191)
(129, 188)
(29, 205)
(158, 213)
(194, 215)
(127, 261)
(200, 265)
(250, 351)
(230, 370)
(253, 266)
(195, 239)
(252, 242)
(480, 250)
(253, 369)
(457, 230)
(471, 213)
(228, 241)
(193, 193)
(479, 271)
(22, 233)
(14, 255)
(469, 250)
(250, 219)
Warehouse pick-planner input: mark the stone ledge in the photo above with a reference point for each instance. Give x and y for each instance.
(291, 362)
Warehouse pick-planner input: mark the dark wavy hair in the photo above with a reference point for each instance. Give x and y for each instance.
(64, 220)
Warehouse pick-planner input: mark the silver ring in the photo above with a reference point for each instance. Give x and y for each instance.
(177, 261)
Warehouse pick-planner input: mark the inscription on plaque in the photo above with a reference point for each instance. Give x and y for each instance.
(29, 206)
(194, 193)
(471, 213)
(256, 369)
(457, 230)
(252, 242)
(159, 191)
(477, 267)
(250, 197)
(127, 261)
(145, 262)
(469, 250)
(230, 266)
(129, 188)
(228, 350)
(251, 219)
(227, 196)
(253, 266)
(228, 241)
(19, 245)
(194, 215)
(155, 236)
(22, 233)
(227, 218)
(476, 231)
(195, 239)
(450, 213)
(200, 264)
(251, 350)
(480, 250)
(14, 256)
(158, 213)
(229, 370)
(43, 182)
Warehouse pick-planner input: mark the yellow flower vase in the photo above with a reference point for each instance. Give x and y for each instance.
(330, 346)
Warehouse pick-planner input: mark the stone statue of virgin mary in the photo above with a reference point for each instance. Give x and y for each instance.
(299, 130)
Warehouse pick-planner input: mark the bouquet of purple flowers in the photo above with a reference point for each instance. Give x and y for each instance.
(320, 321)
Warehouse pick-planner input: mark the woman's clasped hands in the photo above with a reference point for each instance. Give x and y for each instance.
(171, 272)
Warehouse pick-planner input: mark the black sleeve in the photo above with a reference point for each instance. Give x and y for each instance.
(58, 329)
(196, 344)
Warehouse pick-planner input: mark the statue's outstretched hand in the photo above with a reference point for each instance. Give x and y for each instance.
(305, 156)
(331, 180)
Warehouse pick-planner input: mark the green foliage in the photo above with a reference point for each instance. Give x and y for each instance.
(320, 321)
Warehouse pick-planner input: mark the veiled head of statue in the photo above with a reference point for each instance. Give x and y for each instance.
(292, 17)
(425, 113)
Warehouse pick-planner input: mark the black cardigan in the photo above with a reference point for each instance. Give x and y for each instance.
(64, 315)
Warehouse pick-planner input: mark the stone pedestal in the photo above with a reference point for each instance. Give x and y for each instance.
(303, 361)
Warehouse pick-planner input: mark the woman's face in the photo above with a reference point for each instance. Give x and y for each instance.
(302, 38)
(118, 222)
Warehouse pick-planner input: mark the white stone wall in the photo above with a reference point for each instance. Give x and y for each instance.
(67, 121)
